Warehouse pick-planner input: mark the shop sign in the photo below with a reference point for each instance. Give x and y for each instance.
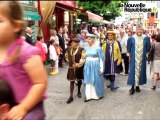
(28, 3)
(68, 3)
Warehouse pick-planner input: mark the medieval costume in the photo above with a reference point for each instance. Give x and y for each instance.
(75, 56)
(93, 69)
(112, 54)
(138, 46)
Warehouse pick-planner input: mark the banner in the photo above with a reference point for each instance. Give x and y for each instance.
(47, 9)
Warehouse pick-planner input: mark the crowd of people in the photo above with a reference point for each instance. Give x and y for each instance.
(92, 56)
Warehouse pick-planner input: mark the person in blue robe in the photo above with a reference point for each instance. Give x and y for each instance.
(112, 53)
(93, 69)
(138, 46)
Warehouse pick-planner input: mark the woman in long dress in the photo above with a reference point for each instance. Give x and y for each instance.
(93, 69)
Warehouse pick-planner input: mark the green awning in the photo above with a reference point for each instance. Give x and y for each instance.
(31, 15)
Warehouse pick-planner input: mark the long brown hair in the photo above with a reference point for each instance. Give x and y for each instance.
(13, 11)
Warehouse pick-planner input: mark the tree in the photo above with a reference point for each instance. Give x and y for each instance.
(107, 9)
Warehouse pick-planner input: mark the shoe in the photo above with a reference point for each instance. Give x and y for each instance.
(53, 73)
(79, 95)
(86, 100)
(108, 86)
(70, 99)
(153, 88)
(115, 88)
(131, 91)
(138, 89)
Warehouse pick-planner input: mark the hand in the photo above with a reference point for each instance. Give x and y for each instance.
(74, 65)
(16, 113)
(119, 62)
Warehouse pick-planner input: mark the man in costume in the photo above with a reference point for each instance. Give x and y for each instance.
(112, 55)
(138, 46)
(76, 58)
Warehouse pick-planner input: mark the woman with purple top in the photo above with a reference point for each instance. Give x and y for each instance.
(20, 65)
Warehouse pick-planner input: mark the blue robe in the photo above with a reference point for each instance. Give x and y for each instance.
(131, 50)
(92, 69)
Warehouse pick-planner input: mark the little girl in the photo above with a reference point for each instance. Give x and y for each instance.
(54, 58)
(21, 65)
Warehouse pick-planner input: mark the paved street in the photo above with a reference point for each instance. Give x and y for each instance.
(115, 105)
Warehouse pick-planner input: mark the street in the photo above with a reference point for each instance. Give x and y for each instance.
(115, 105)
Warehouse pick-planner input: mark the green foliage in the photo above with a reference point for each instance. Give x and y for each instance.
(107, 9)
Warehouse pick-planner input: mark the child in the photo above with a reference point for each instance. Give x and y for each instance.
(7, 100)
(41, 48)
(21, 65)
(76, 58)
(54, 58)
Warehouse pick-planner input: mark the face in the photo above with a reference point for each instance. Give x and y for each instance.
(83, 34)
(139, 31)
(4, 109)
(110, 36)
(129, 33)
(90, 41)
(7, 30)
(60, 31)
(121, 33)
(74, 44)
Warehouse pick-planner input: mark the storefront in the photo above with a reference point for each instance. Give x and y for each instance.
(62, 15)
(31, 16)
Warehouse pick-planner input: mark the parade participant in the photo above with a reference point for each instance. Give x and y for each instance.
(112, 54)
(7, 100)
(125, 57)
(41, 48)
(156, 61)
(76, 57)
(53, 57)
(83, 40)
(138, 46)
(93, 69)
(21, 65)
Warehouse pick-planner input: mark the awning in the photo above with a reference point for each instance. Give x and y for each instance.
(106, 22)
(31, 15)
(95, 18)
(69, 8)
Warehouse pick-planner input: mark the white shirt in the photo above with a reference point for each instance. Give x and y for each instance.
(123, 43)
(52, 53)
(45, 47)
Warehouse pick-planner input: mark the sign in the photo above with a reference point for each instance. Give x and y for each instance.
(68, 3)
(28, 3)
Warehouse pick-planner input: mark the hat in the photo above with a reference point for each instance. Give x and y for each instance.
(91, 36)
(111, 32)
(75, 40)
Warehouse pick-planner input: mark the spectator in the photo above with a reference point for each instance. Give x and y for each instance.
(125, 56)
(54, 36)
(62, 45)
(53, 57)
(28, 35)
(156, 61)
(41, 48)
(83, 41)
(7, 100)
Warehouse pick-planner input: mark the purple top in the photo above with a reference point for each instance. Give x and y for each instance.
(14, 73)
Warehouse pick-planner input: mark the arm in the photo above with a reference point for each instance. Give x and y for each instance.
(38, 78)
(129, 44)
(82, 60)
(66, 55)
(148, 46)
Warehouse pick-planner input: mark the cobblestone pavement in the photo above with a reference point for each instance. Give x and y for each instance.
(115, 105)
